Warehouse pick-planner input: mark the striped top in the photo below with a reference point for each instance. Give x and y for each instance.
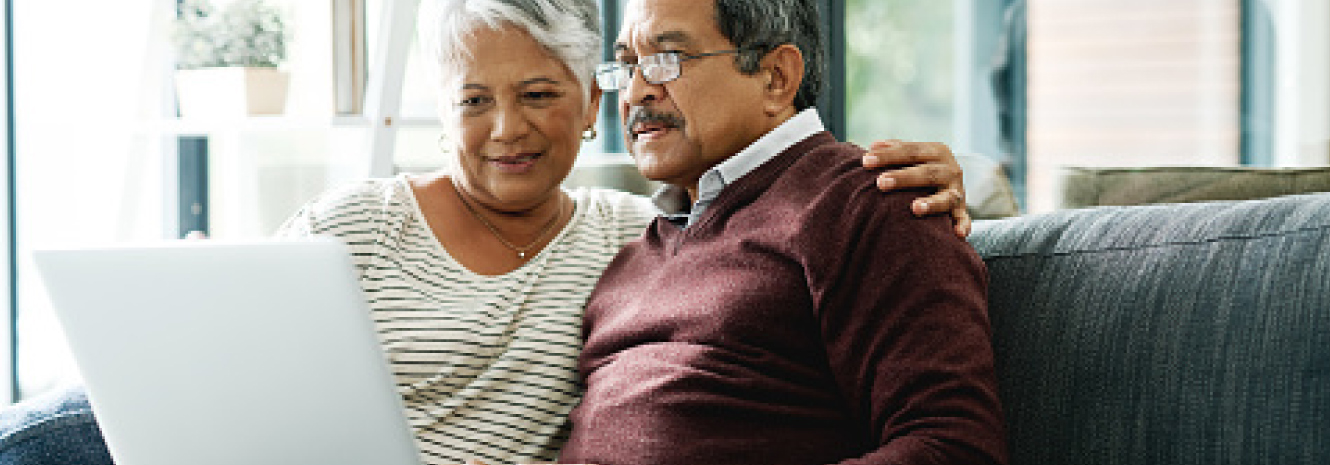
(484, 364)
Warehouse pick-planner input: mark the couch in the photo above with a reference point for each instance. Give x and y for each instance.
(1164, 334)
(1156, 335)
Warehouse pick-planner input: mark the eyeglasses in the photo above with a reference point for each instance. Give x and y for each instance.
(656, 69)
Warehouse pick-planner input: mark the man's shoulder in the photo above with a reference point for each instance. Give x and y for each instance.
(843, 213)
(832, 176)
(827, 159)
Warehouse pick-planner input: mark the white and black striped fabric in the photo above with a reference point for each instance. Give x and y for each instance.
(485, 364)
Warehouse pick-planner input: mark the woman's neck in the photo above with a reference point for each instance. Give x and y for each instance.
(485, 239)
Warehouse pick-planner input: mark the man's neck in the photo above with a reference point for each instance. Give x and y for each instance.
(773, 122)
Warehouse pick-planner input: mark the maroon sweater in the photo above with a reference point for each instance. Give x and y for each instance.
(805, 319)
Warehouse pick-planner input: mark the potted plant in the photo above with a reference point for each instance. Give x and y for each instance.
(227, 59)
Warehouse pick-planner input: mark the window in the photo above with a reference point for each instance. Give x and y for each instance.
(416, 140)
(1112, 84)
(84, 171)
(8, 330)
(1044, 84)
(923, 70)
(98, 149)
(900, 70)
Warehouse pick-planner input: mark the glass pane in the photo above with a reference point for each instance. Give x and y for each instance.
(85, 172)
(899, 61)
(418, 96)
(1128, 84)
(97, 138)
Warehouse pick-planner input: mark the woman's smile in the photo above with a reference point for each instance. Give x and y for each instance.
(520, 163)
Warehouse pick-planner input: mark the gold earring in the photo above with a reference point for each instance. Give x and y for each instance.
(589, 133)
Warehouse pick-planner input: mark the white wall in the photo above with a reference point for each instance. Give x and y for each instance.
(1314, 148)
(1302, 93)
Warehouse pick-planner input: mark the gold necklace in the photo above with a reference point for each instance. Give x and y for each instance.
(521, 251)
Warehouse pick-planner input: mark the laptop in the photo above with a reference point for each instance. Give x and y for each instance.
(212, 353)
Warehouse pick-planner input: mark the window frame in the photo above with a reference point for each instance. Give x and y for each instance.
(9, 391)
(1257, 64)
(831, 104)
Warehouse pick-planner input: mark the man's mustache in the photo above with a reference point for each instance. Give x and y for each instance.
(645, 115)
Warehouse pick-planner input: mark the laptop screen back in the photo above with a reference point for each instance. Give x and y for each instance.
(208, 353)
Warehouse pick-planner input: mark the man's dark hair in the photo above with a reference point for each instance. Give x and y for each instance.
(756, 27)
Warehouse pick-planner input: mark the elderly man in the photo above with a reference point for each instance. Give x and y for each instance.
(736, 330)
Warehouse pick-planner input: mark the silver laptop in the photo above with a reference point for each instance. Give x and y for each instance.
(204, 352)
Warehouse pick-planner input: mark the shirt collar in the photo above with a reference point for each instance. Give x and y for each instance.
(674, 200)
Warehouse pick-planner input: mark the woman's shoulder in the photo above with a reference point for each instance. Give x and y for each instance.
(366, 195)
(624, 208)
(351, 208)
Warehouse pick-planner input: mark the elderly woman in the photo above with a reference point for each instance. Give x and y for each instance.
(477, 275)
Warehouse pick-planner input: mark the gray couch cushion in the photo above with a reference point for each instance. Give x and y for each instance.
(57, 428)
(1166, 334)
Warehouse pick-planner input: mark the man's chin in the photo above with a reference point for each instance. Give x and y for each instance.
(651, 168)
(662, 162)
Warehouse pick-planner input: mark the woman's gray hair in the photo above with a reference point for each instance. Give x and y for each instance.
(569, 29)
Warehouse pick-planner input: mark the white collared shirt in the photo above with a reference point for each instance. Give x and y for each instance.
(673, 199)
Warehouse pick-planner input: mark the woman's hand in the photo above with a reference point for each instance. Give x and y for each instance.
(923, 164)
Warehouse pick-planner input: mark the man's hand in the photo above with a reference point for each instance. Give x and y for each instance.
(923, 164)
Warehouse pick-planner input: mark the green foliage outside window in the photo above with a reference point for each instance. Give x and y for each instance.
(899, 70)
(242, 33)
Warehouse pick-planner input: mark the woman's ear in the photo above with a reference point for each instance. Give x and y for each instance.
(593, 106)
(784, 68)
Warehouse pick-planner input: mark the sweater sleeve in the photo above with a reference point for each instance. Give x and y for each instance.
(902, 307)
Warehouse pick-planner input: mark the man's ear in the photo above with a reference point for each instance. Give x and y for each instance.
(784, 68)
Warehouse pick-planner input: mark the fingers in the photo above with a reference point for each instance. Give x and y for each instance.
(963, 223)
(944, 201)
(896, 152)
(948, 201)
(923, 164)
(936, 175)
